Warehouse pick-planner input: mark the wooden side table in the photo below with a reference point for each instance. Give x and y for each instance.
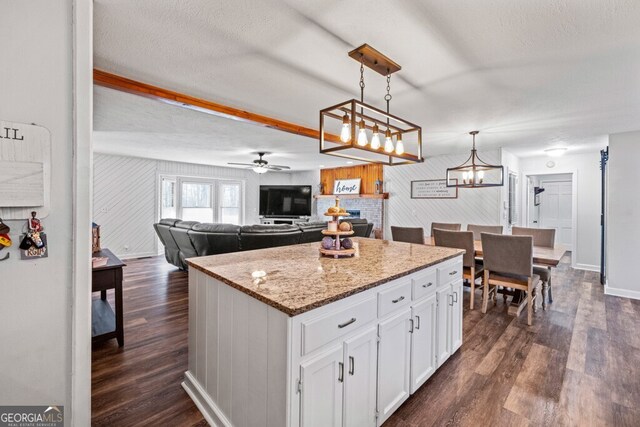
(106, 322)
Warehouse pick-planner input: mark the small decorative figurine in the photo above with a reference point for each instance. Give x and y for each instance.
(5, 239)
(34, 241)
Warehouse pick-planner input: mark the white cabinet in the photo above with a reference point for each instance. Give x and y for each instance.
(394, 356)
(456, 316)
(322, 380)
(339, 386)
(423, 341)
(443, 341)
(360, 358)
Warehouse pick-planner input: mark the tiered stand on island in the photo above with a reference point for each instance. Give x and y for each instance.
(337, 251)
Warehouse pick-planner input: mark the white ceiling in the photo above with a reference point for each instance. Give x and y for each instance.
(528, 74)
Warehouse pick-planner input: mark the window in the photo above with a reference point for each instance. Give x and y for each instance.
(202, 200)
(168, 198)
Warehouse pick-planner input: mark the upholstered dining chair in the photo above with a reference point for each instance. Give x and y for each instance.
(407, 234)
(543, 237)
(445, 226)
(479, 229)
(462, 240)
(508, 262)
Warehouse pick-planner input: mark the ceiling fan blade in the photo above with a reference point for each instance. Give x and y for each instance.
(241, 164)
(273, 169)
(278, 166)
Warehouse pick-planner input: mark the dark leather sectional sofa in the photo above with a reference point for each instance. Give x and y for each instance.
(187, 239)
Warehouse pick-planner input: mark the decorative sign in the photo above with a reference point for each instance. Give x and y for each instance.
(346, 186)
(25, 162)
(433, 189)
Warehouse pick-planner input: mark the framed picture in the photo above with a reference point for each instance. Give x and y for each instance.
(433, 189)
(346, 186)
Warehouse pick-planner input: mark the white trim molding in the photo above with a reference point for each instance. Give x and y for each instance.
(587, 267)
(619, 292)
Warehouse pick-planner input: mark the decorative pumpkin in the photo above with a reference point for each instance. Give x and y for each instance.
(328, 243)
(345, 226)
(333, 209)
(347, 243)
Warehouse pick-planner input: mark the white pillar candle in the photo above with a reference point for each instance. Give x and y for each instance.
(333, 226)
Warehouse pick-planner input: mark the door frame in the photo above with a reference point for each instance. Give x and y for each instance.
(524, 189)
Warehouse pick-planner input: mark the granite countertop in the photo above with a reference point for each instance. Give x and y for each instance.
(295, 279)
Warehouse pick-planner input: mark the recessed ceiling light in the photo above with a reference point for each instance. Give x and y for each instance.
(556, 151)
(349, 162)
(321, 166)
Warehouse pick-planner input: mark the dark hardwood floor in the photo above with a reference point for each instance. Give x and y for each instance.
(578, 365)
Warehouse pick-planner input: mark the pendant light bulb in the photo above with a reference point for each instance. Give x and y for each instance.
(481, 176)
(363, 140)
(345, 133)
(399, 145)
(375, 139)
(388, 142)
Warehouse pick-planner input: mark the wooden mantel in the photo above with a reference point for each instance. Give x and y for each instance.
(353, 196)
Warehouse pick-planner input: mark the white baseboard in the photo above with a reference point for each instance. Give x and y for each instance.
(214, 416)
(618, 292)
(135, 255)
(588, 267)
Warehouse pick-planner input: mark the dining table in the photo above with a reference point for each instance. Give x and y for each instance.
(542, 256)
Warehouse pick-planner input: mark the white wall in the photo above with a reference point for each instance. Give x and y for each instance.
(623, 215)
(473, 206)
(35, 296)
(586, 170)
(126, 191)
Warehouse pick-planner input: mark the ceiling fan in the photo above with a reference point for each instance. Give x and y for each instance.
(260, 165)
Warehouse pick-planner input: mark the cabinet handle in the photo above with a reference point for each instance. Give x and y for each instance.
(427, 285)
(398, 299)
(411, 327)
(347, 323)
(456, 295)
(340, 372)
(417, 322)
(453, 273)
(352, 365)
(451, 302)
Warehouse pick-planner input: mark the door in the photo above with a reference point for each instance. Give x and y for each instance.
(455, 314)
(322, 380)
(360, 356)
(443, 334)
(394, 355)
(556, 210)
(423, 342)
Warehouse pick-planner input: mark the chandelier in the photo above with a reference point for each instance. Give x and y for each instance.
(474, 173)
(359, 131)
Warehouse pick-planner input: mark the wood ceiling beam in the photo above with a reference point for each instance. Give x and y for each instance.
(123, 84)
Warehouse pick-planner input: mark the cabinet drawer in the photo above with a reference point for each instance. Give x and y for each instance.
(424, 283)
(394, 298)
(449, 273)
(320, 331)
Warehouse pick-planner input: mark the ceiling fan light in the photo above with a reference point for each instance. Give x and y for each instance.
(260, 169)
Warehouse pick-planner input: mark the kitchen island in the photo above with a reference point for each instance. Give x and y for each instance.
(284, 337)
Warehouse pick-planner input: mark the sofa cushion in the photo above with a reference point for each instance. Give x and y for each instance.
(268, 236)
(187, 225)
(312, 231)
(169, 221)
(171, 250)
(180, 234)
(213, 239)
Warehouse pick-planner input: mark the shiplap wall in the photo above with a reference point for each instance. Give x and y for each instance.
(475, 206)
(126, 191)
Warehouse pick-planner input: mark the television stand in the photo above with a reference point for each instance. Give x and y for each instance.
(283, 220)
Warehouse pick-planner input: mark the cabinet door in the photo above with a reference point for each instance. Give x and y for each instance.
(456, 316)
(360, 357)
(443, 347)
(394, 355)
(322, 380)
(423, 342)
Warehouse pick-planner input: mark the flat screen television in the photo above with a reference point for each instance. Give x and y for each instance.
(285, 200)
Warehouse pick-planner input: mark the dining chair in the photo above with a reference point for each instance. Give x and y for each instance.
(546, 238)
(407, 234)
(462, 240)
(479, 229)
(508, 262)
(445, 226)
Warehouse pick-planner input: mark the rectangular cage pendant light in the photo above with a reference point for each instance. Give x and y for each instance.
(358, 131)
